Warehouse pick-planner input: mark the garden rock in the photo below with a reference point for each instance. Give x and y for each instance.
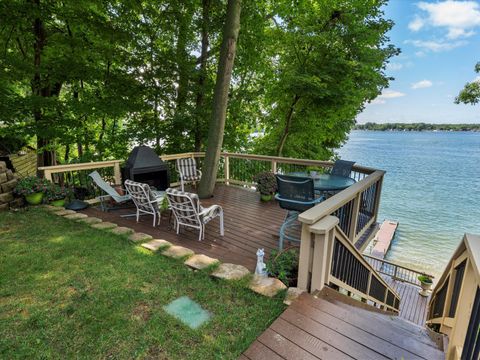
(266, 286)
(292, 294)
(230, 272)
(139, 237)
(121, 230)
(177, 252)
(65, 212)
(156, 244)
(90, 220)
(104, 225)
(75, 216)
(200, 261)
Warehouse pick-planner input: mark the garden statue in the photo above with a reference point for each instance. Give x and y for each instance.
(261, 268)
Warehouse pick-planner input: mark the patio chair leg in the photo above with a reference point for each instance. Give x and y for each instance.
(154, 219)
(222, 230)
(200, 234)
(138, 215)
(182, 184)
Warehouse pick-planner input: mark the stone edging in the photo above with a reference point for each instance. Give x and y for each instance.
(266, 286)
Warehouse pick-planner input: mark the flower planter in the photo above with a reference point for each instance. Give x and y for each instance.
(426, 287)
(35, 198)
(266, 198)
(60, 202)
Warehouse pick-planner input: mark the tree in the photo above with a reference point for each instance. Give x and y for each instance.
(470, 94)
(330, 58)
(220, 99)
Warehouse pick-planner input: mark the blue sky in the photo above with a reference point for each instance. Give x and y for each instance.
(440, 43)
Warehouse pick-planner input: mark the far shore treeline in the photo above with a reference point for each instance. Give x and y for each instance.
(417, 127)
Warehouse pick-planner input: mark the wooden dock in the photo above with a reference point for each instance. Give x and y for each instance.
(383, 238)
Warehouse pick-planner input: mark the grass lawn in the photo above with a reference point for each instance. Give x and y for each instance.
(69, 291)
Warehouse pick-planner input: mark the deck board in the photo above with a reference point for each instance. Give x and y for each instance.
(249, 225)
(317, 328)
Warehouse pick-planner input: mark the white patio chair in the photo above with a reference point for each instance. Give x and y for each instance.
(187, 169)
(146, 200)
(188, 212)
(109, 190)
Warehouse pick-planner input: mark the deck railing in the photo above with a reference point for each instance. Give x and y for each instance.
(454, 307)
(396, 271)
(328, 258)
(356, 207)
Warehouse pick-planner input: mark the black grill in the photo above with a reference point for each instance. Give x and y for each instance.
(144, 165)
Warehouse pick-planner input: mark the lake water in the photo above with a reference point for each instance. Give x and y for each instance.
(432, 187)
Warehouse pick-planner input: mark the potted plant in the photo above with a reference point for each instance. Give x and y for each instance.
(32, 188)
(426, 284)
(284, 265)
(57, 194)
(266, 185)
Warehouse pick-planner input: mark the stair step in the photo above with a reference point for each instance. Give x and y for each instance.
(384, 330)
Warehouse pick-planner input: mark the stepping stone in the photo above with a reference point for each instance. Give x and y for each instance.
(139, 237)
(75, 216)
(53, 208)
(266, 286)
(104, 225)
(90, 220)
(177, 252)
(156, 244)
(200, 261)
(64, 212)
(121, 230)
(230, 272)
(292, 294)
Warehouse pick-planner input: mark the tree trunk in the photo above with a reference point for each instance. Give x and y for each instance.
(220, 99)
(45, 156)
(202, 76)
(288, 123)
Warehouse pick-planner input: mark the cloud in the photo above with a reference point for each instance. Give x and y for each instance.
(422, 84)
(394, 66)
(416, 24)
(435, 46)
(459, 18)
(386, 94)
(390, 94)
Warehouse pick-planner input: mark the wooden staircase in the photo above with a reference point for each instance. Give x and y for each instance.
(333, 326)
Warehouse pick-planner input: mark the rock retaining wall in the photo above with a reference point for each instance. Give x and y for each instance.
(8, 181)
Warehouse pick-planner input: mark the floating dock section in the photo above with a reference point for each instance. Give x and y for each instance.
(383, 238)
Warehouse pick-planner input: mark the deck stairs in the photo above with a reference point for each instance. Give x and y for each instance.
(330, 325)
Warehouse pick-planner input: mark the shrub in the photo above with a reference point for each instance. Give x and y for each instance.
(57, 192)
(266, 182)
(425, 279)
(284, 265)
(30, 185)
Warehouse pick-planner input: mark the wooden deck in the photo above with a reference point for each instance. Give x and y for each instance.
(413, 307)
(317, 328)
(249, 224)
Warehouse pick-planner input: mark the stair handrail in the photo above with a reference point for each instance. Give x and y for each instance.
(454, 307)
(328, 258)
(396, 271)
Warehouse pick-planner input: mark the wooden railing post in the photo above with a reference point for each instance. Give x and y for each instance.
(226, 168)
(378, 194)
(316, 262)
(117, 174)
(354, 217)
(47, 174)
(274, 166)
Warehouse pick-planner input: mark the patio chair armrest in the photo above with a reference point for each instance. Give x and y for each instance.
(199, 173)
(312, 202)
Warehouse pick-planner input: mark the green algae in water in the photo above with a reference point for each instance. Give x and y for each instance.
(188, 312)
